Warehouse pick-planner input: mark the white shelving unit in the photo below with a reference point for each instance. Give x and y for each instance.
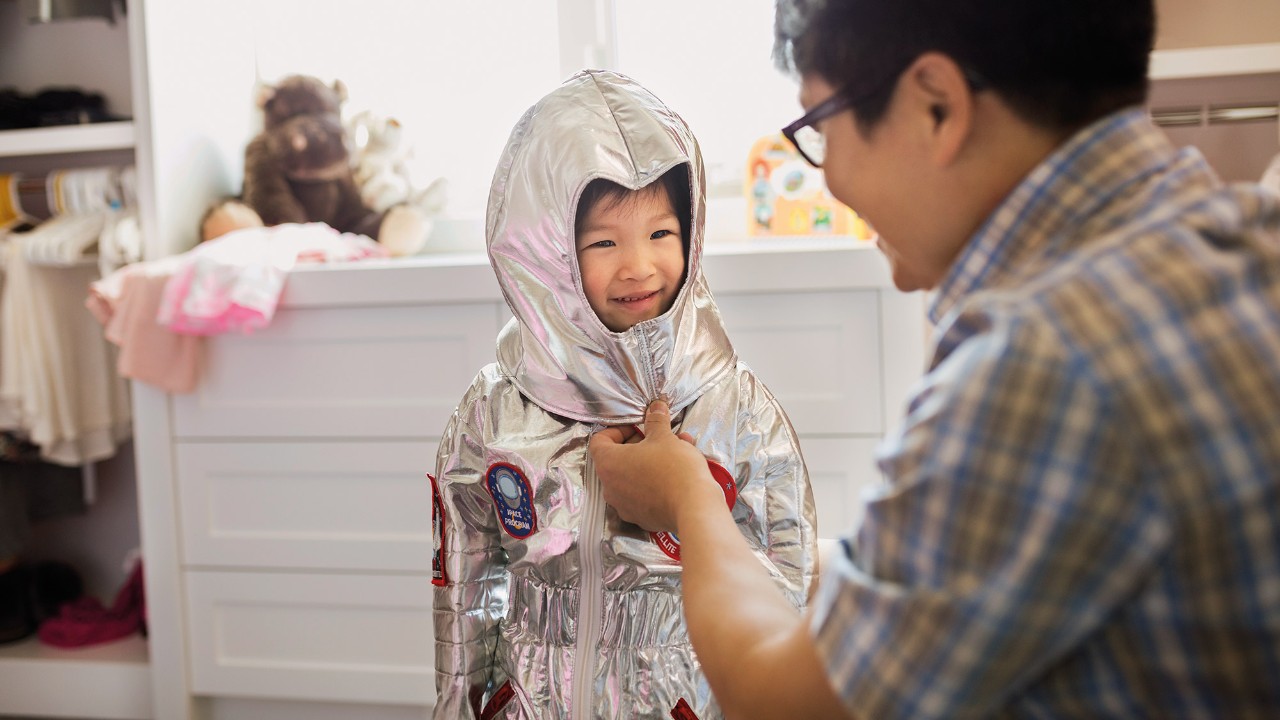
(67, 139)
(110, 681)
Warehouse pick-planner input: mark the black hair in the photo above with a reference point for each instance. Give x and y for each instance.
(1058, 64)
(674, 181)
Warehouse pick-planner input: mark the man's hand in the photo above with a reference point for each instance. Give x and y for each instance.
(754, 647)
(649, 478)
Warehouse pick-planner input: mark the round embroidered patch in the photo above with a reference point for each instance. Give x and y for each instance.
(513, 499)
(668, 542)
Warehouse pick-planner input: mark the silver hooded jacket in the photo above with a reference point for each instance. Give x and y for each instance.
(547, 605)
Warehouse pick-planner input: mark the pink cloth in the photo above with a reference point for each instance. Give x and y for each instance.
(86, 621)
(157, 311)
(126, 303)
(234, 281)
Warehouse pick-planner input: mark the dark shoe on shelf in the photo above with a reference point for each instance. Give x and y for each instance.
(17, 621)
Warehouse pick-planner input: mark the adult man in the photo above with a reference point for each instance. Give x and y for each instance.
(1082, 509)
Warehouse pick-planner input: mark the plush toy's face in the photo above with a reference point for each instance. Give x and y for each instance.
(300, 95)
(311, 148)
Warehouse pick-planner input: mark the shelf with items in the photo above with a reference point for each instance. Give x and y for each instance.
(104, 681)
(1215, 61)
(67, 139)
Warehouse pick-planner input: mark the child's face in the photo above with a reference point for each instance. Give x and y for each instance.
(631, 257)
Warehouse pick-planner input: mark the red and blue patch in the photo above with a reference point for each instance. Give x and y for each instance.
(512, 499)
(668, 542)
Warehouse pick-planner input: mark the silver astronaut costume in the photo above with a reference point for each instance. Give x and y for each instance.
(544, 597)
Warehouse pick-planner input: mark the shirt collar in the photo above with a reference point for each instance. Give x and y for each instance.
(1054, 203)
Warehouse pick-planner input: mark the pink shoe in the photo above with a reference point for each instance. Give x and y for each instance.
(86, 622)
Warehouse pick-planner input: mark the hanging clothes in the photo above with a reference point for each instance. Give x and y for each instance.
(57, 375)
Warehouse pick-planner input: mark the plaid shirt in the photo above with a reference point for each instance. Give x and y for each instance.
(1082, 514)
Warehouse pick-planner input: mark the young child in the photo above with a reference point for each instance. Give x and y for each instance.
(547, 605)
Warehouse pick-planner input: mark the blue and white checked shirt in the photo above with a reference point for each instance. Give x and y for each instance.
(1082, 514)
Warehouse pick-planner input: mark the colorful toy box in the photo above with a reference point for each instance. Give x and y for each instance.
(787, 196)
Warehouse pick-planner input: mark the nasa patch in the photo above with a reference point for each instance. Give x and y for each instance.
(668, 542)
(513, 499)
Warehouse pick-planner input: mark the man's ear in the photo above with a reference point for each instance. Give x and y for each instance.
(941, 99)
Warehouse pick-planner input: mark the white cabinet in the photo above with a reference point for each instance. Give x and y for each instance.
(358, 638)
(388, 371)
(303, 509)
(838, 346)
(841, 470)
(332, 506)
(819, 351)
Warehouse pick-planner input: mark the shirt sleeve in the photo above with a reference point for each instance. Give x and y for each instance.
(469, 576)
(1014, 521)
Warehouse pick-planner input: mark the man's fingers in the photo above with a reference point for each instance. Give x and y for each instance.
(614, 435)
(657, 419)
(687, 438)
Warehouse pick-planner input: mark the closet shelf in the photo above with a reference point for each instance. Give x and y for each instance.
(67, 139)
(112, 680)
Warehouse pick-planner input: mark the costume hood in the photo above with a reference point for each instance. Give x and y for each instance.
(597, 124)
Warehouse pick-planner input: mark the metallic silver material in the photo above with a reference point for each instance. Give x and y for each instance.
(518, 609)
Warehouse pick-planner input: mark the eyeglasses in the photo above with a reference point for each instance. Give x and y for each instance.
(810, 141)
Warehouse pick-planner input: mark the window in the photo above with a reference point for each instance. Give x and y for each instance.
(431, 63)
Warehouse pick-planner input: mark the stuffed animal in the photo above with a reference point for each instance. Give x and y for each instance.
(299, 169)
(381, 166)
(225, 215)
(380, 156)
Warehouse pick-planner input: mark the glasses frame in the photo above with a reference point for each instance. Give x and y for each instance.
(838, 102)
(841, 100)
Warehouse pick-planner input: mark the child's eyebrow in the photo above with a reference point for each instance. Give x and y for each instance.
(602, 225)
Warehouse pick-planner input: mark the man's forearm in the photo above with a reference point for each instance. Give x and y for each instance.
(753, 645)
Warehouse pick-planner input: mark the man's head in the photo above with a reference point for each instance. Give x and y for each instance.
(942, 106)
(1059, 65)
(632, 246)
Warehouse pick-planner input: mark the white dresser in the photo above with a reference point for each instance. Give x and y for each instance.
(286, 516)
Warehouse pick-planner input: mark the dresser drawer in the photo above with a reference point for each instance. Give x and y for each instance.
(819, 352)
(351, 372)
(318, 505)
(841, 470)
(345, 638)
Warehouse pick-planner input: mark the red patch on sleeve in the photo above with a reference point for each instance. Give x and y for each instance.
(682, 711)
(498, 701)
(439, 524)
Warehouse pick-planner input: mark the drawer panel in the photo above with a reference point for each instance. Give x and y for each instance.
(818, 352)
(343, 506)
(344, 638)
(341, 372)
(840, 471)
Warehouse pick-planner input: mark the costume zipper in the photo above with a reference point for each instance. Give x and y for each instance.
(590, 593)
(646, 363)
